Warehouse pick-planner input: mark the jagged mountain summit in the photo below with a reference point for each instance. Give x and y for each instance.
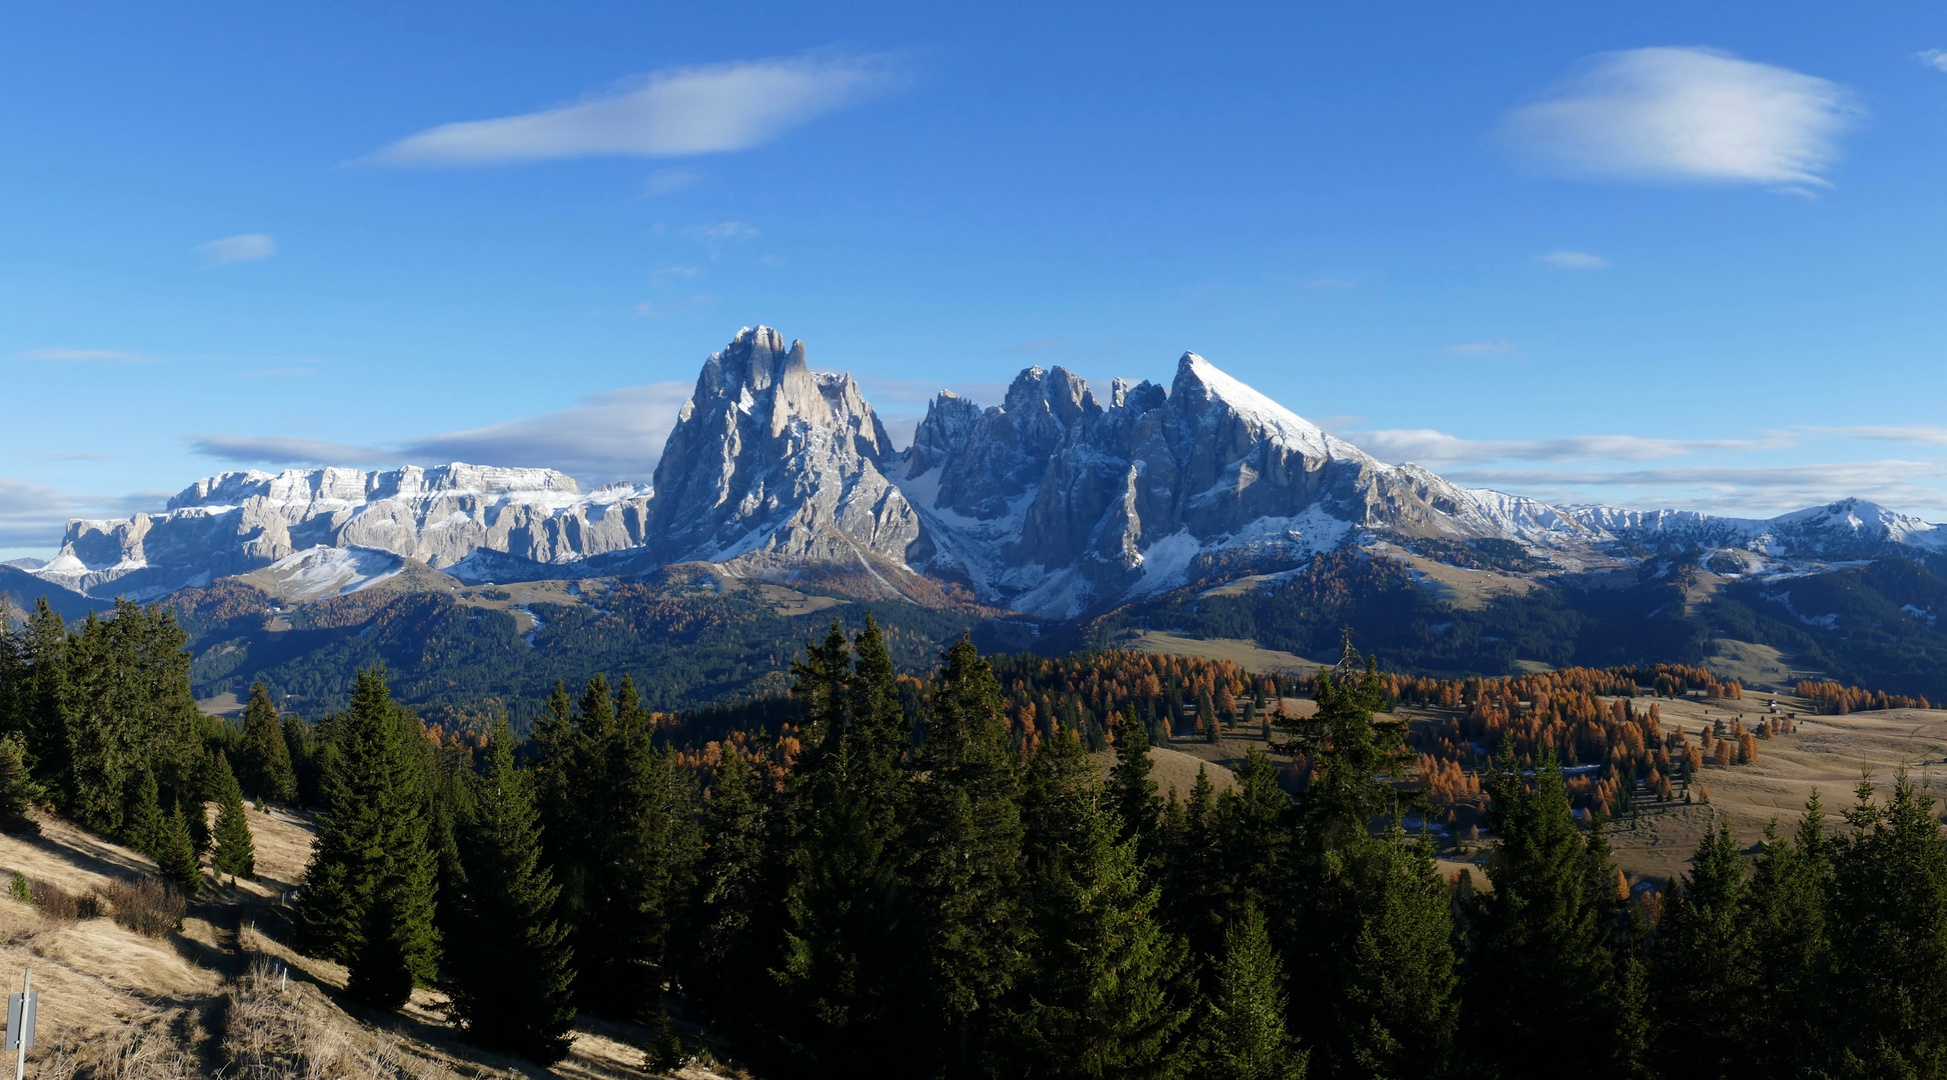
(1053, 502)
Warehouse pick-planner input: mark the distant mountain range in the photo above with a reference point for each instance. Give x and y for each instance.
(1055, 504)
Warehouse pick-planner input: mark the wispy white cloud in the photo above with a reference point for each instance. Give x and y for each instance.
(616, 435)
(729, 230)
(1910, 486)
(1429, 447)
(1920, 434)
(1481, 348)
(75, 356)
(1934, 58)
(669, 181)
(1685, 114)
(1575, 260)
(675, 112)
(285, 450)
(246, 247)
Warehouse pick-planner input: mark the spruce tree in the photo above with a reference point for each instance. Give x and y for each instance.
(736, 906)
(17, 788)
(235, 854)
(509, 966)
(966, 850)
(1195, 896)
(1544, 993)
(1889, 935)
(265, 756)
(1788, 935)
(1245, 1038)
(368, 897)
(1132, 792)
(847, 968)
(176, 856)
(1702, 965)
(1372, 924)
(1103, 998)
(144, 825)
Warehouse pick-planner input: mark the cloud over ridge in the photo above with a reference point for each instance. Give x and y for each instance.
(676, 112)
(1684, 114)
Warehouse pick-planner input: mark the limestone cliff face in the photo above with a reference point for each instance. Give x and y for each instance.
(772, 465)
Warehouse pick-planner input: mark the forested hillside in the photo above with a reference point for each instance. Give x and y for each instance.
(923, 876)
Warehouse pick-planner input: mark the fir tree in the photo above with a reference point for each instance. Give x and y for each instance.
(1101, 1001)
(368, 897)
(143, 825)
(17, 788)
(1194, 894)
(1132, 793)
(1543, 995)
(848, 952)
(509, 966)
(966, 847)
(235, 854)
(265, 756)
(1373, 928)
(176, 856)
(736, 916)
(1702, 965)
(1787, 919)
(1246, 1038)
(1889, 936)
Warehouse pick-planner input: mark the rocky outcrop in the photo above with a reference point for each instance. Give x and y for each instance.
(774, 467)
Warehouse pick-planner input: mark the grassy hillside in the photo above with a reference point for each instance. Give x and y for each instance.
(222, 996)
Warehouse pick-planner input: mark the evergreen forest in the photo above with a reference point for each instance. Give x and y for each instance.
(928, 875)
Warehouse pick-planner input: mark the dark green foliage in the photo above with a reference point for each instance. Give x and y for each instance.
(847, 948)
(1373, 929)
(17, 789)
(509, 963)
(264, 759)
(1703, 966)
(235, 854)
(368, 896)
(176, 855)
(1131, 791)
(736, 907)
(966, 851)
(1103, 997)
(1547, 992)
(1244, 1037)
(1889, 936)
(612, 844)
(1788, 939)
(143, 824)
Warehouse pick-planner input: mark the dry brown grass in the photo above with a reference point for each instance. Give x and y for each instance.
(277, 1029)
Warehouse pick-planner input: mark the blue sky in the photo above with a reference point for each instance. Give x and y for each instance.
(1669, 255)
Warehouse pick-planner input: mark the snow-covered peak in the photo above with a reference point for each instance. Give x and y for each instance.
(1200, 382)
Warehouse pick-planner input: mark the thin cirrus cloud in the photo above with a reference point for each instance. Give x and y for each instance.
(1934, 58)
(1575, 260)
(676, 112)
(1481, 348)
(82, 356)
(612, 436)
(1684, 114)
(1759, 491)
(246, 247)
(1430, 447)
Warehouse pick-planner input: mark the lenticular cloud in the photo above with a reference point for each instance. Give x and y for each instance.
(1685, 114)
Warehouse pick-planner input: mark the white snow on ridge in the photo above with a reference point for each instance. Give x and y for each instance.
(321, 572)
